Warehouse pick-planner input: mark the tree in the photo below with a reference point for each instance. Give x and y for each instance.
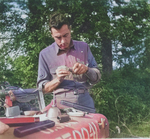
(130, 30)
(92, 24)
(102, 25)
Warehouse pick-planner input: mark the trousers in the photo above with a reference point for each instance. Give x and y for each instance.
(83, 99)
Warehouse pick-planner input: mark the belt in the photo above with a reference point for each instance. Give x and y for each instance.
(79, 91)
(75, 91)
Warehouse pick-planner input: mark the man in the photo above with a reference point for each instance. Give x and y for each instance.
(67, 67)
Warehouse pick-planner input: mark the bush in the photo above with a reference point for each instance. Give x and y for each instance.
(123, 98)
(48, 98)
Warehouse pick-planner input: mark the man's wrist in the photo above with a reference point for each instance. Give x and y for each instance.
(43, 85)
(60, 79)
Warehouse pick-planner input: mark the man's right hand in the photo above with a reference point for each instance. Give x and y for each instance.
(62, 73)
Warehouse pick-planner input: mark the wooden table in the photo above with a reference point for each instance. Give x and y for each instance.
(88, 126)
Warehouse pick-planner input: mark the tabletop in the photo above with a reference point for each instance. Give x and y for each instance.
(90, 126)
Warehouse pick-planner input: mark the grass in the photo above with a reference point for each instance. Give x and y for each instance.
(133, 130)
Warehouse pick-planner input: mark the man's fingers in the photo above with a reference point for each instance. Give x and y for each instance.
(75, 67)
(79, 68)
(62, 73)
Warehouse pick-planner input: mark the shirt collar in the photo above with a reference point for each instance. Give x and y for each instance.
(59, 51)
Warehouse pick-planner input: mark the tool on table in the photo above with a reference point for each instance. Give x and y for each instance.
(15, 121)
(76, 109)
(63, 118)
(5, 98)
(10, 110)
(53, 112)
(22, 96)
(32, 128)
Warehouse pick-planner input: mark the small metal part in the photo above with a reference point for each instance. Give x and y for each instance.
(63, 118)
(12, 111)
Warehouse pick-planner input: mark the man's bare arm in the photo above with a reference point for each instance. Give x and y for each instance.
(52, 85)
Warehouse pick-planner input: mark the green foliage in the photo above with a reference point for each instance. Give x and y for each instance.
(48, 98)
(96, 24)
(122, 98)
(2, 112)
(24, 72)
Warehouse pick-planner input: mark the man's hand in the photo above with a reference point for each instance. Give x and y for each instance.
(79, 68)
(62, 72)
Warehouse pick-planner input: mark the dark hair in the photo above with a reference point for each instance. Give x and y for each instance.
(57, 20)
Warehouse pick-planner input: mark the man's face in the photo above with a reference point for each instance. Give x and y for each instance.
(62, 36)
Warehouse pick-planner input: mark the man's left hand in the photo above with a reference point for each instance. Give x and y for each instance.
(79, 68)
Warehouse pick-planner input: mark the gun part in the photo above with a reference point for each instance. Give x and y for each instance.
(77, 106)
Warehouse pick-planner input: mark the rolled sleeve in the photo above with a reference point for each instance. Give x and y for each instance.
(93, 72)
(93, 75)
